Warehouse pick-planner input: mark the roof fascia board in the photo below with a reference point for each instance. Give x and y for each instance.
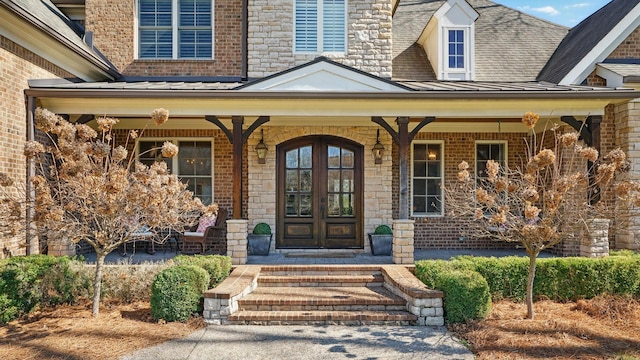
(604, 48)
(399, 95)
(31, 34)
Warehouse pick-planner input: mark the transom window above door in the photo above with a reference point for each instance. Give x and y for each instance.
(175, 29)
(320, 26)
(193, 164)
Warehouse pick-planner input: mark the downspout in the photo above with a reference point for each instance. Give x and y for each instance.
(30, 173)
(245, 32)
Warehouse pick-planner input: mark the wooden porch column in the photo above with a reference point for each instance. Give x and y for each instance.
(590, 133)
(403, 165)
(403, 138)
(237, 142)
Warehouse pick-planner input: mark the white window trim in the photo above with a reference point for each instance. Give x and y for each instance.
(320, 28)
(442, 179)
(469, 56)
(174, 34)
(174, 162)
(488, 142)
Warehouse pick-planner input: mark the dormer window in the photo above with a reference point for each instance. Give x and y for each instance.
(456, 49)
(320, 26)
(448, 40)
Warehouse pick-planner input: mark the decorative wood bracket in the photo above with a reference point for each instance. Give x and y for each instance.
(586, 129)
(245, 135)
(394, 134)
(85, 118)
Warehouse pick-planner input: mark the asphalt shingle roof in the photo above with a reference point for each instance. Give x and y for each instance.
(584, 37)
(509, 45)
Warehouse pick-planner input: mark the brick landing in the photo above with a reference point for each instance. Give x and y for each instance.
(323, 294)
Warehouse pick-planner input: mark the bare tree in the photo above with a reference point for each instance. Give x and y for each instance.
(552, 196)
(89, 188)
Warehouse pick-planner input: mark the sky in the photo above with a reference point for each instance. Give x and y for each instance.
(564, 12)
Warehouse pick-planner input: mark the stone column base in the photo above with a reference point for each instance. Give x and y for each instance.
(237, 241)
(595, 243)
(402, 250)
(60, 247)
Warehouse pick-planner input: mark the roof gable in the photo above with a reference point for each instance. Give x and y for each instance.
(591, 41)
(323, 75)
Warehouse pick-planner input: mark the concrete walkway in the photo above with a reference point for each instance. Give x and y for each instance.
(310, 343)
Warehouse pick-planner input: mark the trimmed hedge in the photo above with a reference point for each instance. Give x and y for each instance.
(176, 292)
(466, 295)
(38, 280)
(218, 266)
(558, 279)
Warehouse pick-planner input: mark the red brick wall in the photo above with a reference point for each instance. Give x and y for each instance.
(629, 48)
(444, 232)
(112, 23)
(17, 65)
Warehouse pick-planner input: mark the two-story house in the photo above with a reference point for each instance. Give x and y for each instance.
(365, 107)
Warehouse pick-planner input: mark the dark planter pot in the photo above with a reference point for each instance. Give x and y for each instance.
(259, 244)
(381, 244)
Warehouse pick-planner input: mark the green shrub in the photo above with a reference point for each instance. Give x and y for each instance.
(466, 295)
(507, 276)
(38, 280)
(218, 266)
(177, 291)
(383, 230)
(262, 229)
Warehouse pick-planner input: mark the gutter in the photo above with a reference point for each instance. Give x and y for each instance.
(255, 95)
(29, 192)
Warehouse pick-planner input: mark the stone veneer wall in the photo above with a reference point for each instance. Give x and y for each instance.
(262, 177)
(270, 42)
(17, 66)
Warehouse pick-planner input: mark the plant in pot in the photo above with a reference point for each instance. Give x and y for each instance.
(259, 241)
(381, 240)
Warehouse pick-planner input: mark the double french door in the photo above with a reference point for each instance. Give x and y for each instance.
(320, 193)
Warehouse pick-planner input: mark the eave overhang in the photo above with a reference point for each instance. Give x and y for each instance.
(24, 29)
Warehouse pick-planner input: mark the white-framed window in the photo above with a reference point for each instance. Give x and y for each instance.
(456, 49)
(427, 176)
(320, 26)
(193, 164)
(175, 29)
(489, 150)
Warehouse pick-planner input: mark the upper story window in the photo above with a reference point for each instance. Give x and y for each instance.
(427, 177)
(193, 164)
(320, 26)
(456, 49)
(175, 29)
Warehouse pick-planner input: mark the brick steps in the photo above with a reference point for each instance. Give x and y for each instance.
(321, 299)
(323, 295)
(321, 318)
(320, 280)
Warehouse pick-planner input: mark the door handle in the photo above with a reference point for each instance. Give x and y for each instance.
(322, 211)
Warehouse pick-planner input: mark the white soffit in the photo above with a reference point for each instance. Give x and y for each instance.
(323, 77)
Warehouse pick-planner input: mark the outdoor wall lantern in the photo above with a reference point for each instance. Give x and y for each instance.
(378, 149)
(261, 148)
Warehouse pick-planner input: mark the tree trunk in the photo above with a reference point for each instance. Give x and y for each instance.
(532, 275)
(97, 283)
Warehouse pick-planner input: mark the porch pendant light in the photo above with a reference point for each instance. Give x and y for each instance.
(378, 149)
(261, 148)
